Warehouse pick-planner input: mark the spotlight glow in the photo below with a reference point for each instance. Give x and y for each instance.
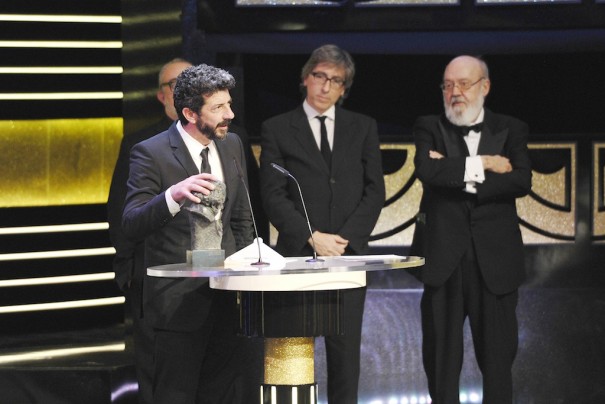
(123, 390)
(62, 44)
(109, 95)
(61, 352)
(59, 228)
(54, 280)
(75, 304)
(104, 19)
(83, 252)
(62, 70)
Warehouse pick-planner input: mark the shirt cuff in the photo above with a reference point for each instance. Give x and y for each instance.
(173, 206)
(473, 170)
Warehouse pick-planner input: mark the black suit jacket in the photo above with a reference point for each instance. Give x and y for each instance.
(155, 165)
(123, 263)
(346, 201)
(451, 219)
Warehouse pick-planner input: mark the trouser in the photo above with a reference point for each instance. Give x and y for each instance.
(493, 323)
(343, 351)
(209, 365)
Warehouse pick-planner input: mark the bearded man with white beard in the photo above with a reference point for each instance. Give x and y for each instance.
(473, 164)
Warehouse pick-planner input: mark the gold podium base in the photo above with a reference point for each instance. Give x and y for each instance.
(289, 371)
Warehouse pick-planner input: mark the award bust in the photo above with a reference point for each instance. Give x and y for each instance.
(207, 228)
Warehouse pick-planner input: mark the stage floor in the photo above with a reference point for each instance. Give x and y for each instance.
(561, 357)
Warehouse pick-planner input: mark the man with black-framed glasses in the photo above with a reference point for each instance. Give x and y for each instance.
(473, 164)
(335, 156)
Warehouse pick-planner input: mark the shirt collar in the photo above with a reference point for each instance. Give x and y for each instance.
(194, 147)
(312, 113)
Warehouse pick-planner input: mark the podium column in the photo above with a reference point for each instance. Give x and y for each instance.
(289, 371)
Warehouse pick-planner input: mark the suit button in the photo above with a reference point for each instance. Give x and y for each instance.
(332, 181)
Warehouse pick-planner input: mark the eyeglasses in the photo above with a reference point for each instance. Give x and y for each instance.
(321, 78)
(463, 85)
(170, 84)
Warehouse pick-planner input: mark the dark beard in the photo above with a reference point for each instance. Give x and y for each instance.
(210, 133)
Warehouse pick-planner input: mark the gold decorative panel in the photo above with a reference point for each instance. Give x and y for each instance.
(57, 161)
(548, 213)
(395, 225)
(598, 184)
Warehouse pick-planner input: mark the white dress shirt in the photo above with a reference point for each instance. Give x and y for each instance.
(473, 172)
(195, 149)
(316, 125)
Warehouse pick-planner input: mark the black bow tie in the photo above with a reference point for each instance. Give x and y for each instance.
(466, 129)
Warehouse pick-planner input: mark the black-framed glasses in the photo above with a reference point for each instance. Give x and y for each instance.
(170, 84)
(463, 85)
(321, 78)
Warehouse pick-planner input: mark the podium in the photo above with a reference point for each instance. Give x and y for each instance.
(289, 304)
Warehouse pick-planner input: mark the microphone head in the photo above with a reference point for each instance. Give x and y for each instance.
(280, 169)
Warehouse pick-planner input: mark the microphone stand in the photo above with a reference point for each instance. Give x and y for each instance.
(287, 174)
(260, 262)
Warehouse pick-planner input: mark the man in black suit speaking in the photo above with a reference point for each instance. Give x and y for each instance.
(193, 326)
(473, 164)
(129, 281)
(335, 156)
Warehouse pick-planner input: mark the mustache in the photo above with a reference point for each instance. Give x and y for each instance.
(226, 122)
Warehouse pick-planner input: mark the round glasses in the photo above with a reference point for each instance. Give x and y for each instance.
(463, 85)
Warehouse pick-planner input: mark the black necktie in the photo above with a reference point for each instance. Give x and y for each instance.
(466, 129)
(326, 152)
(205, 163)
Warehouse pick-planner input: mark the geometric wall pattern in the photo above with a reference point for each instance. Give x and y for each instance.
(547, 215)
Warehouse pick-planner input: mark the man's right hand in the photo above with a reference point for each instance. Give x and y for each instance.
(196, 183)
(328, 244)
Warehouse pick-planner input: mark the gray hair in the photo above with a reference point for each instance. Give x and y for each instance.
(334, 55)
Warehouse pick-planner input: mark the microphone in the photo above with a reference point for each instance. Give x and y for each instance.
(286, 173)
(241, 177)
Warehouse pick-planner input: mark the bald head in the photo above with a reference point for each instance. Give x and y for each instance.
(166, 80)
(469, 64)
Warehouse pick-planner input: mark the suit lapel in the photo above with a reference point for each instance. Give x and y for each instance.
(301, 130)
(342, 137)
(492, 141)
(229, 170)
(454, 144)
(180, 151)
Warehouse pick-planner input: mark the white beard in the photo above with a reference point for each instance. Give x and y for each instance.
(464, 115)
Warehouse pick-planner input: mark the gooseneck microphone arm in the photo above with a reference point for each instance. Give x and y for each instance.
(241, 177)
(286, 173)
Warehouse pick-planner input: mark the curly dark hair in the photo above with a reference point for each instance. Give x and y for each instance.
(196, 82)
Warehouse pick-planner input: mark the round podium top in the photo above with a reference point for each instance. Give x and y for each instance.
(289, 274)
